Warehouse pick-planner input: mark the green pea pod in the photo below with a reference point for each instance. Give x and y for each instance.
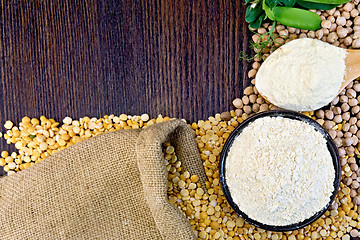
(338, 2)
(298, 18)
(312, 5)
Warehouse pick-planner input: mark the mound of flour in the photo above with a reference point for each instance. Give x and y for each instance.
(279, 171)
(302, 75)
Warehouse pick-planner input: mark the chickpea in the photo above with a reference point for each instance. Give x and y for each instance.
(248, 91)
(331, 11)
(351, 93)
(348, 41)
(247, 109)
(352, 121)
(356, 43)
(353, 102)
(356, 87)
(354, 13)
(291, 29)
(346, 127)
(341, 32)
(302, 35)
(345, 107)
(337, 110)
(328, 124)
(255, 38)
(341, 21)
(355, 109)
(284, 32)
(326, 24)
(256, 65)
(348, 25)
(350, 150)
(342, 152)
(347, 135)
(252, 98)
(331, 19)
(332, 133)
(353, 129)
(333, 27)
(262, 31)
(344, 99)
(345, 15)
(252, 73)
(245, 100)
(339, 134)
(357, 200)
(356, 20)
(319, 34)
(329, 114)
(279, 28)
(354, 167)
(337, 119)
(311, 34)
(356, 34)
(333, 37)
(345, 116)
(348, 141)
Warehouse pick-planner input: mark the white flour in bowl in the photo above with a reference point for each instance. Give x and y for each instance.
(302, 75)
(279, 171)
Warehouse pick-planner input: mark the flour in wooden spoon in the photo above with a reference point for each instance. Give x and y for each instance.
(302, 75)
(279, 171)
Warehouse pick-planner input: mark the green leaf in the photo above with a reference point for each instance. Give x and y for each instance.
(247, 1)
(243, 56)
(338, 2)
(272, 3)
(258, 22)
(275, 3)
(252, 14)
(312, 5)
(288, 3)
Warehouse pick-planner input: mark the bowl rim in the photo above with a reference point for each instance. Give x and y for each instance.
(291, 115)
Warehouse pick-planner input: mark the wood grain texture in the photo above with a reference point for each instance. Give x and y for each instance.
(90, 58)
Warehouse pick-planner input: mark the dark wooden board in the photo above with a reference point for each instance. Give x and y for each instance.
(91, 58)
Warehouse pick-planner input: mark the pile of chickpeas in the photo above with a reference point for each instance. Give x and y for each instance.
(341, 118)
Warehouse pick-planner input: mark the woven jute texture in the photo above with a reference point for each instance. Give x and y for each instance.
(112, 186)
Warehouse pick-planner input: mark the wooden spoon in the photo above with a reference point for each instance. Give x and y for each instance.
(352, 62)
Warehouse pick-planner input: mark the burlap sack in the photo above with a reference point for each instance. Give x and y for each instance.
(111, 186)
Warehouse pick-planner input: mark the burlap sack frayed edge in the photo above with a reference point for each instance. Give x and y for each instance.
(166, 216)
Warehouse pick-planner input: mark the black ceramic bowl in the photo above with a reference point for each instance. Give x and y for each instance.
(286, 114)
